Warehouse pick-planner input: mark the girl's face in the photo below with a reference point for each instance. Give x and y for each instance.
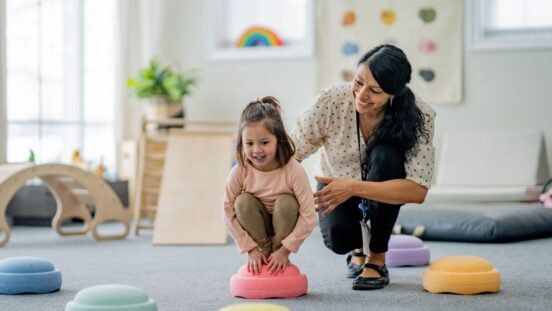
(259, 146)
(369, 97)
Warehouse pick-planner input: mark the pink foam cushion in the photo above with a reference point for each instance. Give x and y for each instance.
(406, 250)
(287, 284)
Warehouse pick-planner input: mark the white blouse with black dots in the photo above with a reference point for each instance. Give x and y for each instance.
(330, 124)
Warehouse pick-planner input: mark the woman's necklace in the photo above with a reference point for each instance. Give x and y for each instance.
(367, 127)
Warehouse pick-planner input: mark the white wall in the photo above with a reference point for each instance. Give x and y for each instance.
(225, 87)
(503, 89)
(3, 127)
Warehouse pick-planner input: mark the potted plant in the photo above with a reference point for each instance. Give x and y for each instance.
(163, 90)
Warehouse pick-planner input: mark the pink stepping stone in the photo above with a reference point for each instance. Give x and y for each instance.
(287, 284)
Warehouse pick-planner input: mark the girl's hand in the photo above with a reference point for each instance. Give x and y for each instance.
(278, 261)
(337, 191)
(256, 259)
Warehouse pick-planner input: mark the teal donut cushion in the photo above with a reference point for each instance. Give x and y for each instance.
(111, 297)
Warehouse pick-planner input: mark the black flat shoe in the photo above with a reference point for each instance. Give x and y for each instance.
(353, 270)
(361, 283)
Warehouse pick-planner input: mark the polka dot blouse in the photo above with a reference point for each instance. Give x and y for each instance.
(330, 124)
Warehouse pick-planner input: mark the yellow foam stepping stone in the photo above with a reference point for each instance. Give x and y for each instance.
(464, 275)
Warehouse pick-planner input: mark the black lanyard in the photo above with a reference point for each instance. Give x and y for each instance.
(363, 205)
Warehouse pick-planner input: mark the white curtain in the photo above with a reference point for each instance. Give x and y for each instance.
(138, 39)
(3, 117)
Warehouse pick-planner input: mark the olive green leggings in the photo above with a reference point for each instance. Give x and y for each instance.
(265, 229)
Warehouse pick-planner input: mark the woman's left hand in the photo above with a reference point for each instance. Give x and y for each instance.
(337, 191)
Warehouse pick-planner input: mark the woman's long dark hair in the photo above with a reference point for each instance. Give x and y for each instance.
(402, 121)
(268, 111)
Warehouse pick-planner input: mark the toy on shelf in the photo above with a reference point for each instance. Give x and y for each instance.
(31, 158)
(100, 169)
(76, 158)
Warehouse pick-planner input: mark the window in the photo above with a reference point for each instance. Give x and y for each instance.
(503, 24)
(60, 80)
(260, 29)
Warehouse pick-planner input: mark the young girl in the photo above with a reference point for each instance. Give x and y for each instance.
(268, 204)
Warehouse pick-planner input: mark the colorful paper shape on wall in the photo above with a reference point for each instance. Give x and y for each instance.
(427, 74)
(428, 15)
(259, 36)
(349, 18)
(388, 17)
(427, 46)
(350, 48)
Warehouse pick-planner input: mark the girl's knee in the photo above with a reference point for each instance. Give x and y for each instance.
(244, 202)
(286, 205)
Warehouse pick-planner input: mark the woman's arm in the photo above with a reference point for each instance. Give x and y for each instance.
(395, 191)
(338, 190)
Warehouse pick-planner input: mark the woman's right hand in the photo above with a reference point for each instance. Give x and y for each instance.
(256, 259)
(336, 191)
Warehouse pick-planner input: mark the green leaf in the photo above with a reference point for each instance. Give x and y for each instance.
(160, 81)
(132, 83)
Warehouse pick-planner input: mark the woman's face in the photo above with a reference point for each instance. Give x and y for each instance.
(367, 94)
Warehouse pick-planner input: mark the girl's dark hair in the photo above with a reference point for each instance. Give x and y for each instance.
(402, 121)
(266, 110)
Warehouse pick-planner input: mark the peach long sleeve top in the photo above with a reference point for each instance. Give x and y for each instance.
(267, 186)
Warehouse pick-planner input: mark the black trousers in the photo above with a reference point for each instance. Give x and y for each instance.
(341, 228)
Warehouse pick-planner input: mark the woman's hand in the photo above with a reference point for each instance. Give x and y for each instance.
(256, 259)
(337, 191)
(279, 260)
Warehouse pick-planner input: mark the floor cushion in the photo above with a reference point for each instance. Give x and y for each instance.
(477, 222)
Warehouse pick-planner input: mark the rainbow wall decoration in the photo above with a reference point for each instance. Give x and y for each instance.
(258, 36)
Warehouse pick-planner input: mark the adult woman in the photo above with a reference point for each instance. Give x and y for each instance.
(368, 178)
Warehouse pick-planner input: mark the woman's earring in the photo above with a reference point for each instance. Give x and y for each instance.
(391, 100)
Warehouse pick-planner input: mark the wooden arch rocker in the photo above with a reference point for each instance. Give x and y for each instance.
(71, 187)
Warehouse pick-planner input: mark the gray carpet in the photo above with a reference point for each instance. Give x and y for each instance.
(197, 277)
